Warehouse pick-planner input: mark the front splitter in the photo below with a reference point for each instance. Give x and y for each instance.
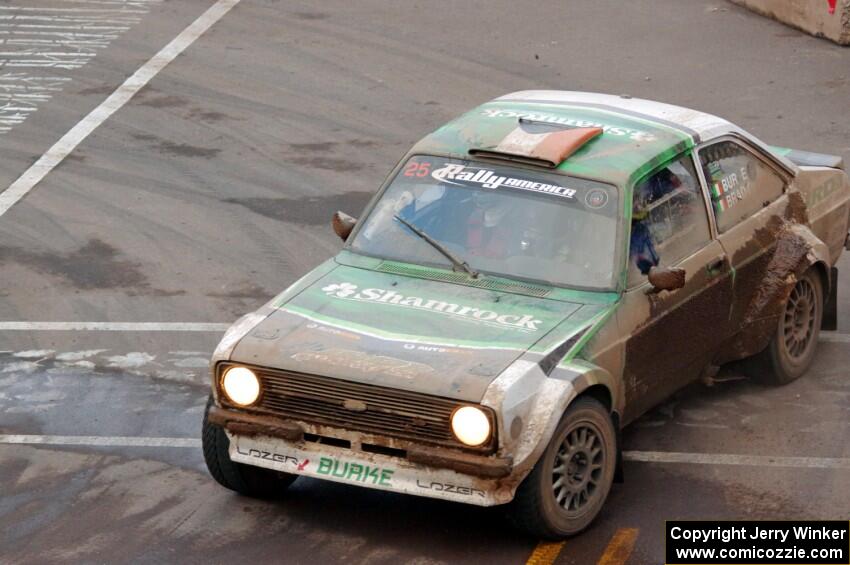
(370, 470)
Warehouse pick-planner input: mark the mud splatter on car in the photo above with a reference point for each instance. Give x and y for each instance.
(532, 276)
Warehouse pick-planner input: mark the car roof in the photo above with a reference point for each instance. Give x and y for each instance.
(638, 134)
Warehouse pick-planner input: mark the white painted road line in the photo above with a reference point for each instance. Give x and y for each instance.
(100, 441)
(835, 337)
(114, 326)
(637, 456)
(62, 148)
(735, 459)
(194, 327)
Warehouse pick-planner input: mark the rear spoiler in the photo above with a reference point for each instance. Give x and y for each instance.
(809, 159)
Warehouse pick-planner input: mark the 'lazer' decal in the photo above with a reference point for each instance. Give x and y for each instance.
(271, 456)
(348, 291)
(446, 487)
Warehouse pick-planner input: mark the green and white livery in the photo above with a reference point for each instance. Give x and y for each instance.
(532, 276)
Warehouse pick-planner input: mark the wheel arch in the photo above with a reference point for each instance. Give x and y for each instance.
(601, 393)
(818, 256)
(541, 402)
(597, 383)
(598, 392)
(829, 281)
(820, 266)
(818, 260)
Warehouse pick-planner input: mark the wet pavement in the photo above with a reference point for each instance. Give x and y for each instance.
(96, 503)
(209, 192)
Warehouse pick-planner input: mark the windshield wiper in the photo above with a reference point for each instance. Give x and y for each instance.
(456, 261)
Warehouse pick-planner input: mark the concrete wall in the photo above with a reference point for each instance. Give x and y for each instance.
(821, 18)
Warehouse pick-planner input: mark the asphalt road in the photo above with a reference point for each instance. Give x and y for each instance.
(211, 190)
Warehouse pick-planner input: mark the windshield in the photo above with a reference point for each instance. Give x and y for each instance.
(500, 220)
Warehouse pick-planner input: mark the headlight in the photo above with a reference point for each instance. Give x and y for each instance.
(241, 385)
(471, 425)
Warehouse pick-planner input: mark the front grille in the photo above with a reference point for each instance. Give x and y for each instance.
(388, 412)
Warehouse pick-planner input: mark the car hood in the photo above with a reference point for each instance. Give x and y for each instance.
(415, 334)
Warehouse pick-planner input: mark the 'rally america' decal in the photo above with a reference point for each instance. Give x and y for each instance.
(609, 129)
(348, 291)
(462, 174)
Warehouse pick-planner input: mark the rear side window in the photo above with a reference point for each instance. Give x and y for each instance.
(669, 219)
(740, 184)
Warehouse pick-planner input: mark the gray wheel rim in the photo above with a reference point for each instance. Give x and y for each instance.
(799, 320)
(578, 469)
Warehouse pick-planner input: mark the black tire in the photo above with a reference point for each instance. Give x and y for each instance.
(792, 348)
(536, 508)
(248, 480)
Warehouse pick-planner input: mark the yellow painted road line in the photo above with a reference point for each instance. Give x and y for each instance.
(620, 547)
(545, 553)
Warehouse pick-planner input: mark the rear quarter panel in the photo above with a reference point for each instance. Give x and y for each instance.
(827, 195)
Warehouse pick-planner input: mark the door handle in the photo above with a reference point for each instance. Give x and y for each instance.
(716, 265)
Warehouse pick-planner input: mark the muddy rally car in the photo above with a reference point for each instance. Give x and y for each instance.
(531, 277)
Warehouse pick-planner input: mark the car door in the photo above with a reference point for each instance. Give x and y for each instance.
(749, 208)
(672, 336)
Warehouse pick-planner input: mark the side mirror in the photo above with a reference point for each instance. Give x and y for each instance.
(343, 224)
(666, 278)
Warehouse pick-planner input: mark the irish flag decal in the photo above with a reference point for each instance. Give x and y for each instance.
(717, 187)
(718, 196)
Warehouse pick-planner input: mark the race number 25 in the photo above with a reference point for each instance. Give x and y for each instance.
(414, 169)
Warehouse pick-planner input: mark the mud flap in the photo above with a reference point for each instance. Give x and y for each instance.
(619, 475)
(830, 306)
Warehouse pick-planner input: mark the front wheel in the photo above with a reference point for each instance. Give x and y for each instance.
(792, 347)
(569, 484)
(244, 479)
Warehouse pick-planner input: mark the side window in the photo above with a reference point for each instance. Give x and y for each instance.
(669, 220)
(740, 184)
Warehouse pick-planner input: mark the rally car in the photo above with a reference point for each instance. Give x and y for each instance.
(532, 277)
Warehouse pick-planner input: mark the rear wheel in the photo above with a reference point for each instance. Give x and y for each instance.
(792, 348)
(244, 479)
(568, 486)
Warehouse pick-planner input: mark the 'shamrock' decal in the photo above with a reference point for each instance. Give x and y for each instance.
(348, 291)
(634, 134)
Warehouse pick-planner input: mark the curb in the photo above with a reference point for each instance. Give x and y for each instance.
(821, 18)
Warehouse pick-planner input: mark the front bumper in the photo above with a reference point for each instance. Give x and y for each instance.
(293, 447)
